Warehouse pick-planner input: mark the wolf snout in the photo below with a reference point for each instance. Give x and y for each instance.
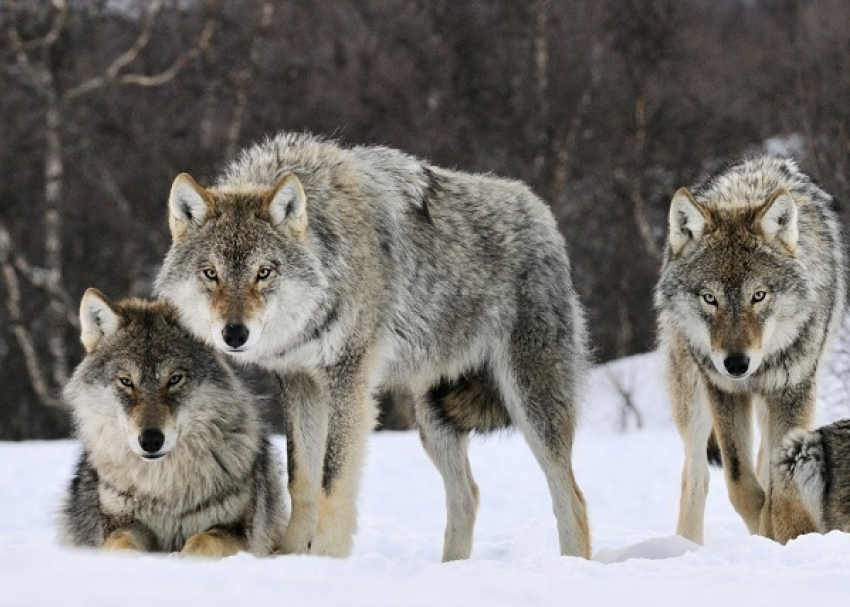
(737, 364)
(151, 440)
(235, 335)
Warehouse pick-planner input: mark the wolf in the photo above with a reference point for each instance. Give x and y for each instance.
(348, 269)
(814, 468)
(750, 292)
(174, 457)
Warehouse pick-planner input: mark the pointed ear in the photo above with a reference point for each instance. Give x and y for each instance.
(98, 319)
(687, 220)
(189, 205)
(287, 205)
(777, 220)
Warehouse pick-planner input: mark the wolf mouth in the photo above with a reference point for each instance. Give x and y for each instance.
(154, 456)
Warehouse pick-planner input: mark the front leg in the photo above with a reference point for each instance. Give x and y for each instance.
(784, 517)
(133, 536)
(306, 414)
(217, 542)
(732, 423)
(351, 417)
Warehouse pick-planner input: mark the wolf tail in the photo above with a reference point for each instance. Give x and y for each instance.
(801, 460)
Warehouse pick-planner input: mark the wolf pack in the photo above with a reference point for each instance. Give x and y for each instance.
(345, 271)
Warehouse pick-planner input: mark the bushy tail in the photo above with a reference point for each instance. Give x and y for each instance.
(800, 462)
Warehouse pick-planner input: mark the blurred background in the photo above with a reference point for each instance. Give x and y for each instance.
(605, 107)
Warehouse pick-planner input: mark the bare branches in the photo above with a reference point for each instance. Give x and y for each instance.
(22, 334)
(60, 18)
(244, 77)
(112, 72)
(628, 408)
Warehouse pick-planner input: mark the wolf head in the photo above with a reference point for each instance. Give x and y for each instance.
(238, 257)
(731, 282)
(145, 383)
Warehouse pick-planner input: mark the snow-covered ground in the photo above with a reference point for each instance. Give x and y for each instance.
(630, 480)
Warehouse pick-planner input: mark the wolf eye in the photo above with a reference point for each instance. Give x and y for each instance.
(709, 299)
(210, 274)
(175, 379)
(264, 273)
(759, 296)
(126, 382)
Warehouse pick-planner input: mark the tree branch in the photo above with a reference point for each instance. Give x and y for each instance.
(112, 72)
(21, 332)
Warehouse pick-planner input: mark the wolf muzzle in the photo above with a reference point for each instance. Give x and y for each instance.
(737, 364)
(151, 441)
(235, 335)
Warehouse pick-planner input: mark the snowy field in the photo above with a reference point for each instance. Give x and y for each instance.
(630, 480)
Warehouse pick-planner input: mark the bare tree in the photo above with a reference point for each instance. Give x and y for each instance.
(34, 68)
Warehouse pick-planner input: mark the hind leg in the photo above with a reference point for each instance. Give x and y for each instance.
(541, 402)
(733, 423)
(691, 412)
(447, 447)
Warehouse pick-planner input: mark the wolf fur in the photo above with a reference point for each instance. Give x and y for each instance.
(174, 457)
(814, 468)
(348, 269)
(751, 289)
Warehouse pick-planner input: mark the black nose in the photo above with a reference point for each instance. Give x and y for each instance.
(235, 334)
(151, 440)
(737, 364)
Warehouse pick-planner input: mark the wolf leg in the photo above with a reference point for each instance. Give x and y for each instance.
(733, 425)
(447, 447)
(352, 417)
(536, 391)
(306, 413)
(691, 412)
(131, 537)
(217, 543)
(784, 516)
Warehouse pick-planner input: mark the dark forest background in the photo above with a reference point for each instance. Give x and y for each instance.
(605, 107)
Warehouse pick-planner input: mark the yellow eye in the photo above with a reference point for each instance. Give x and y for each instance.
(759, 296)
(264, 273)
(175, 379)
(126, 382)
(210, 274)
(709, 299)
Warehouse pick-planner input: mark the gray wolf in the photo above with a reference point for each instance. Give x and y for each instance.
(814, 468)
(751, 289)
(174, 457)
(346, 270)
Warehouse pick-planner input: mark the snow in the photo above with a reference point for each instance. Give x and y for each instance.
(630, 481)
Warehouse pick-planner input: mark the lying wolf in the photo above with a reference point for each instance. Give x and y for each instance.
(347, 270)
(174, 457)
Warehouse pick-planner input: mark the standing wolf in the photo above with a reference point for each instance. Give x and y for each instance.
(751, 288)
(173, 454)
(814, 468)
(343, 270)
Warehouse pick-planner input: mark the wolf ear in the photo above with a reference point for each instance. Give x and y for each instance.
(287, 205)
(777, 220)
(98, 319)
(188, 206)
(687, 220)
